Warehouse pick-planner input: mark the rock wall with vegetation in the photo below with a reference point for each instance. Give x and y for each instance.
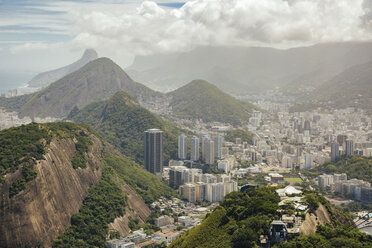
(66, 203)
(36, 213)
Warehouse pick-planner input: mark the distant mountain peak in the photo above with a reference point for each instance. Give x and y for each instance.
(90, 54)
(200, 99)
(46, 78)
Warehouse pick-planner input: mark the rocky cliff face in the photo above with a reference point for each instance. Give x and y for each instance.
(136, 208)
(320, 217)
(37, 215)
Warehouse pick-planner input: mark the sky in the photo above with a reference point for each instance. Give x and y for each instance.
(36, 35)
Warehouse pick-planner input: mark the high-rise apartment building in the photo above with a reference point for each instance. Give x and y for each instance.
(154, 151)
(182, 147)
(218, 147)
(194, 148)
(205, 139)
(335, 151)
(349, 148)
(209, 152)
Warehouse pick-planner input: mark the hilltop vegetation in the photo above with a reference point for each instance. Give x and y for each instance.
(202, 100)
(122, 122)
(355, 167)
(329, 236)
(351, 88)
(146, 184)
(21, 147)
(243, 216)
(238, 222)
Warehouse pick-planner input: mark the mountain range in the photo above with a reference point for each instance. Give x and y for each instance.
(100, 79)
(242, 70)
(351, 88)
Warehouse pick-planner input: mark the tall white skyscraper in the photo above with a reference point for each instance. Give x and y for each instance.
(218, 147)
(194, 148)
(182, 147)
(209, 152)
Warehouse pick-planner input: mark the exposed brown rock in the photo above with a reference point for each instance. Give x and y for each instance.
(321, 217)
(136, 208)
(37, 215)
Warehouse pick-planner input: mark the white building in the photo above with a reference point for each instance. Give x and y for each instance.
(194, 148)
(182, 147)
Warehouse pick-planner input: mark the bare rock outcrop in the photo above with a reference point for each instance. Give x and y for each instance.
(320, 217)
(37, 215)
(136, 208)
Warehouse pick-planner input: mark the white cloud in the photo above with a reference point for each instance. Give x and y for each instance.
(34, 46)
(278, 23)
(122, 29)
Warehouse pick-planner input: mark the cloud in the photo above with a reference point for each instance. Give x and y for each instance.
(121, 29)
(33, 46)
(277, 23)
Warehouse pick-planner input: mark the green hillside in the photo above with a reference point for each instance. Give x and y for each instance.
(96, 81)
(355, 167)
(106, 201)
(244, 135)
(122, 122)
(202, 100)
(351, 88)
(21, 148)
(238, 222)
(244, 216)
(328, 236)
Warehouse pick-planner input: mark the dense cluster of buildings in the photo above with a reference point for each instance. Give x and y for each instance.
(338, 183)
(11, 119)
(196, 186)
(211, 148)
(304, 140)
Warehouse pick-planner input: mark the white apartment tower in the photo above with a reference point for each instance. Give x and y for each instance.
(182, 147)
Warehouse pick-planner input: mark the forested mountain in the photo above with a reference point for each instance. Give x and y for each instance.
(202, 100)
(98, 80)
(351, 88)
(122, 121)
(64, 181)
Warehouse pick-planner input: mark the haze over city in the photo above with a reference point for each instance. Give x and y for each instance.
(185, 124)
